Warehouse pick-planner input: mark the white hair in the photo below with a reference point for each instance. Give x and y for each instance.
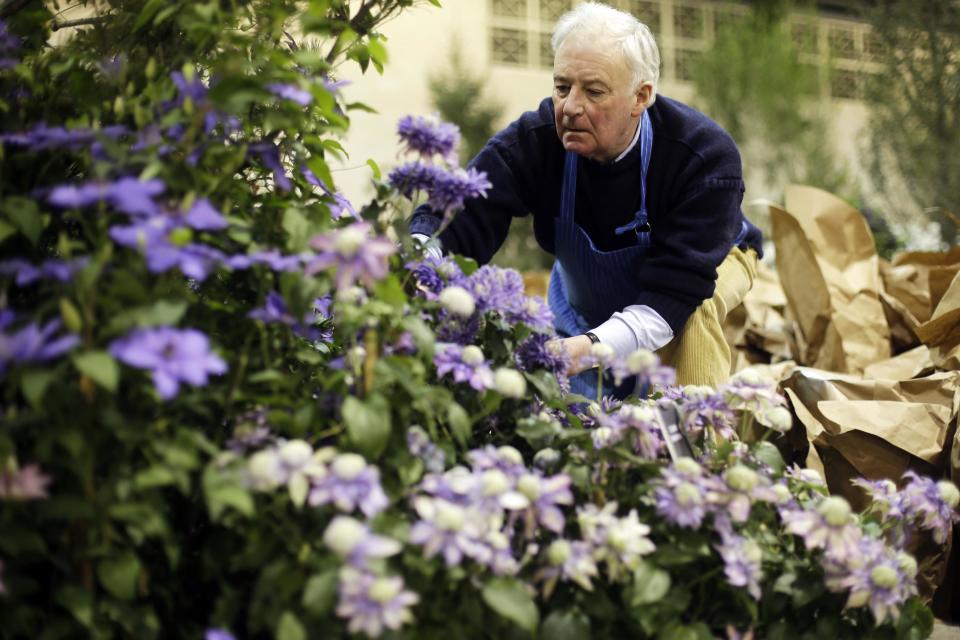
(596, 22)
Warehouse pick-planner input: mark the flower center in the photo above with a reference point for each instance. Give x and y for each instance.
(472, 355)
(383, 590)
(449, 517)
(835, 510)
(741, 478)
(349, 241)
(348, 466)
(529, 485)
(558, 552)
(884, 577)
(688, 495)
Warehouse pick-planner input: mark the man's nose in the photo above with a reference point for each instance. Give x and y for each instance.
(573, 105)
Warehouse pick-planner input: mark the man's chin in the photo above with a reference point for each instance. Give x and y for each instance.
(577, 145)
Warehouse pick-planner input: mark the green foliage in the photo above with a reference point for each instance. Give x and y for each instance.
(752, 81)
(915, 106)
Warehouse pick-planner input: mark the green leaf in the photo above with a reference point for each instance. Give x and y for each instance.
(289, 628)
(320, 167)
(77, 601)
(7, 230)
(511, 600)
(368, 424)
(298, 229)
(100, 366)
(320, 593)
(156, 476)
(160, 313)
(24, 215)
(650, 584)
(224, 490)
(34, 384)
(390, 291)
(767, 453)
(377, 175)
(467, 265)
(146, 14)
(118, 575)
(459, 421)
(566, 625)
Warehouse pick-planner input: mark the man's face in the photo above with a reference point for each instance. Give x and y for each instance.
(594, 104)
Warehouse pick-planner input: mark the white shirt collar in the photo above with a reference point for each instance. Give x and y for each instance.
(633, 143)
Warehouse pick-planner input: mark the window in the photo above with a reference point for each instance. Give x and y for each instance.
(686, 61)
(551, 10)
(688, 22)
(509, 46)
(845, 83)
(842, 43)
(646, 12)
(510, 8)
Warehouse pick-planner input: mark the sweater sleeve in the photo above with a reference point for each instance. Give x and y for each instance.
(512, 160)
(688, 244)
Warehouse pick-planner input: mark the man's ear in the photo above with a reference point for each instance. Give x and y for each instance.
(642, 95)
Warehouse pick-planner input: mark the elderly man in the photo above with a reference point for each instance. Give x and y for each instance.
(637, 196)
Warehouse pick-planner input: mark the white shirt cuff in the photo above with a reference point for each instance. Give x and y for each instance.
(433, 249)
(636, 327)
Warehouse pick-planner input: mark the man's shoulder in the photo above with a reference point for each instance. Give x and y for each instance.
(686, 126)
(534, 132)
(691, 132)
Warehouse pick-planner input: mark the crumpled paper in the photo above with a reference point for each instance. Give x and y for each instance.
(829, 268)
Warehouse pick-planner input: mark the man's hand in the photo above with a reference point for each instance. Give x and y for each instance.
(576, 348)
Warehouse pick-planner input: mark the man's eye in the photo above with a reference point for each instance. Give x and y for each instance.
(561, 88)
(595, 93)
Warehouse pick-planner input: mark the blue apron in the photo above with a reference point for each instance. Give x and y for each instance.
(588, 285)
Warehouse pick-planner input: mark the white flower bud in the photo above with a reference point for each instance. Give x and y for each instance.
(494, 482)
(907, 564)
(641, 360)
(510, 454)
(383, 590)
(349, 240)
(752, 551)
(509, 382)
(688, 466)
(949, 493)
(811, 476)
(498, 540)
(688, 495)
(529, 485)
(472, 355)
(558, 552)
(265, 469)
(750, 377)
(546, 458)
(457, 301)
(884, 577)
(295, 453)
(617, 538)
(343, 534)
(351, 295)
(835, 510)
(348, 466)
(602, 352)
(778, 419)
(782, 492)
(741, 478)
(450, 517)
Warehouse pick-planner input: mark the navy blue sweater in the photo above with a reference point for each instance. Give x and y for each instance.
(694, 191)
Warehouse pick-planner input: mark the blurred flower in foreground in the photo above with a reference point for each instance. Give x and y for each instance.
(374, 603)
(173, 356)
(353, 254)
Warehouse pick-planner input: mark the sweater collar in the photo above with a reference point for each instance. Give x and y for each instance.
(633, 143)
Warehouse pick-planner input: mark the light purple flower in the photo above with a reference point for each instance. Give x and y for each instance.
(640, 426)
(533, 353)
(926, 502)
(545, 495)
(274, 311)
(829, 526)
(466, 364)
(413, 177)
(620, 542)
(450, 530)
(354, 255)
(429, 137)
(703, 408)
(740, 487)
(350, 484)
(356, 544)
(372, 604)
(195, 261)
(742, 558)
(291, 92)
(34, 344)
(269, 155)
(26, 273)
(497, 289)
(128, 194)
(452, 188)
(204, 216)
(876, 576)
(218, 634)
(26, 483)
(419, 445)
(681, 494)
(270, 257)
(172, 355)
(570, 561)
(533, 312)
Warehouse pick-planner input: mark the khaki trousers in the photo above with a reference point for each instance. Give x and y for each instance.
(701, 354)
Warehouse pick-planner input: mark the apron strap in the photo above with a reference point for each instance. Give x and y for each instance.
(640, 224)
(568, 192)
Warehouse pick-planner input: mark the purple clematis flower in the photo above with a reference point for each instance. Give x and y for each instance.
(452, 188)
(681, 494)
(172, 355)
(194, 260)
(350, 484)
(354, 542)
(372, 604)
(269, 155)
(876, 576)
(354, 255)
(129, 195)
(218, 634)
(830, 526)
(204, 216)
(413, 177)
(742, 559)
(429, 137)
(291, 92)
(34, 344)
(931, 504)
(466, 364)
(26, 273)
